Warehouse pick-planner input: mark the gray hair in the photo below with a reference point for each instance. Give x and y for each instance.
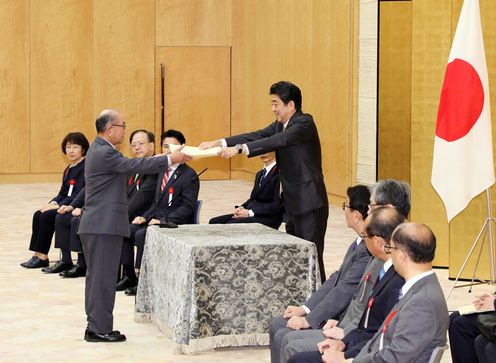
(394, 192)
(105, 118)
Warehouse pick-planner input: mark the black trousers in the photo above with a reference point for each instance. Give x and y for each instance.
(228, 218)
(103, 253)
(486, 350)
(462, 333)
(43, 228)
(310, 226)
(137, 238)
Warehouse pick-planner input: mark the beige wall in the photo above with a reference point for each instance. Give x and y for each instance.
(64, 60)
(312, 44)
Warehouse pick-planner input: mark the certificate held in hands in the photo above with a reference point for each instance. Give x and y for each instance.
(195, 152)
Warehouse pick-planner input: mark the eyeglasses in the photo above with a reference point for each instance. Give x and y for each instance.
(123, 125)
(373, 205)
(388, 248)
(138, 144)
(363, 236)
(344, 206)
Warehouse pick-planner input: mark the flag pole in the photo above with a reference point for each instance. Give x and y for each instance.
(486, 227)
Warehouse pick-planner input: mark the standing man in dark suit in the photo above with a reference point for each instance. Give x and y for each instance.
(265, 204)
(104, 219)
(175, 201)
(295, 139)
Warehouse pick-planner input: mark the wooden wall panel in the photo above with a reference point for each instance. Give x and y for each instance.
(193, 22)
(14, 87)
(395, 75)
(197, 99)
(465, 227)
(60, 37)
(124, 55)
(312, 46)
(431, 40)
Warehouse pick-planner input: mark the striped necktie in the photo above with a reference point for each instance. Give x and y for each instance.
(262, 177)
(164, 180)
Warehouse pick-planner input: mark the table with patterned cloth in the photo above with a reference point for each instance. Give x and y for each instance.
(208, 286)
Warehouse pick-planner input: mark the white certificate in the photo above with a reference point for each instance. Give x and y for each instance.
(195, 152)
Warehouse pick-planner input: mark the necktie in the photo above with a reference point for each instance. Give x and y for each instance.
(164, 180)
(262, 177)
(381, 273)
(355, 245)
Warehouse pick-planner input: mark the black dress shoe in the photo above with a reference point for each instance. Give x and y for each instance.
(125, 283)
(112, 337)
(31, 260)
(74, 271)
(36, 262)
(59, 266)
(131, 291)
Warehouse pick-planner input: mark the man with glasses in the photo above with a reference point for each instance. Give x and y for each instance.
(417, 324)
(379, 227)
(104, 219)
(175, 200)
(332, 298)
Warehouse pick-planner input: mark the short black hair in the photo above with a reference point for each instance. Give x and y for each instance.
(287, 92)
(359, 196)
(149, 135)
(394, 192)
(104, 118)
(77, 138)
(417, 241)
(382, 222)
(178, 135)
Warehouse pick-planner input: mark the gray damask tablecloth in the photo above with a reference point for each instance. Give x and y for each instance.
(208, 286)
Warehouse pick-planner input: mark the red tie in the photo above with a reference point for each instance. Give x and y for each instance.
(164, 180)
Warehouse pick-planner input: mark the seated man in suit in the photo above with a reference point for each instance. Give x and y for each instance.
(388, 193)
(265, 203)
(140, 192)
(417, 324)
(330, 300)
(379, 227)
(175, 201)
(463, 330)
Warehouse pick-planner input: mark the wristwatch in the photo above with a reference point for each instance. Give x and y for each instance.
(239, 147)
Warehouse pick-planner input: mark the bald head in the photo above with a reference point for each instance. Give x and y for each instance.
(416, 240)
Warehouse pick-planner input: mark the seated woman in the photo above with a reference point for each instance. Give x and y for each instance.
(74, 146)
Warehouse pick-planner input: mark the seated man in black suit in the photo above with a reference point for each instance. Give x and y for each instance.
(265, 203)
(140, 192)
(175, 201)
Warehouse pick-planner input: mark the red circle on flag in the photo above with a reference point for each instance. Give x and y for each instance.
(462, 100)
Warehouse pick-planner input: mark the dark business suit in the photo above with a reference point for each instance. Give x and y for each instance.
(299, 159)
(103, 224)
(380, 302)
(140, 193)
(418, 326)
(65, 236)
(306, 340)
(485, 349)
(385, 295)
(44, 223)
(265, 202)
(185, 185)
(462, 333)
(329, 301)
